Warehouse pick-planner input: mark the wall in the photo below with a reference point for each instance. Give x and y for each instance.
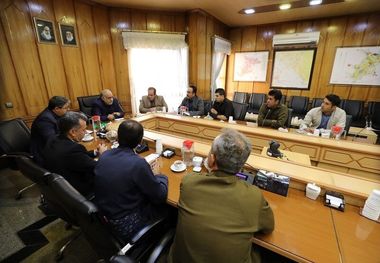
(31, 72)
(358, 30)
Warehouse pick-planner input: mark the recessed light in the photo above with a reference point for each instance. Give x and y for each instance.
(285, 6)
(249, 11)
(315, 2)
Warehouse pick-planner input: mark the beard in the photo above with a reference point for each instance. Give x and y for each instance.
(69, 38)
(46, 35)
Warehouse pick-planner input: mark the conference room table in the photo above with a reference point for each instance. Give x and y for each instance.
(305, 230)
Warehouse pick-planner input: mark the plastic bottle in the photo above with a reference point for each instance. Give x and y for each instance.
(187, 152)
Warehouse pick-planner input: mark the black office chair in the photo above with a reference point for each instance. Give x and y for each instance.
(207, 106)
(299, 104)
(85, 104)
(374, 114)
(348, 124)
(96, 228)
(255, 102)
(15, 138)
(316, 102)
(240, 110)
(283, 99)
(241, 97)
(354, 108)
(289, 120)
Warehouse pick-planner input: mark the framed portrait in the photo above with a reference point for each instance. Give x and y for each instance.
(292, 69)
(251, 66)
(68, 35)
(45, 31)
(356, 66)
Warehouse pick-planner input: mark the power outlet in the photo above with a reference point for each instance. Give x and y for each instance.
(9, 105)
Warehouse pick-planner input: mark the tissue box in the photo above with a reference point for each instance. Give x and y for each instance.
(312, 191)
(153, 160)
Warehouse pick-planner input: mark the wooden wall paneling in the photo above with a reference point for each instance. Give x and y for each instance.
(138, 20)
(153, 22)
(248, 43)
(201, 52)
(71, 56)
(264, 42)
(104, 44)
(180, 23)
(321, 26)
(10, 90)
(119, 20)
(167, 22)
(235, 38)
(50, 54)
(193, 47)
(21, 41)
(336, 29)
(372, 38)
(210, 29)
(88, 44)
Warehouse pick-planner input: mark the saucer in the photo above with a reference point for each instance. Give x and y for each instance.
(87, 138)
(178, 170)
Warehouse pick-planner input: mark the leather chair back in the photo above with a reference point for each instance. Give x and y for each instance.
(207, 106)
(255, 102)
(241, 97)
(32, 170)
(354, 108)
(240, 110)
(85, 104)
(93, 225)
(299, 104)
(283, 99)
(316, 102)
(348, 123)
(374, 114)
(14, 136)
(289, 120)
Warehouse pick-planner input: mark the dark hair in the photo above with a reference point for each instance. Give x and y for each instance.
(334, 99)
(220, 91)
(154, 90)
(57, 101)
(70, 120)
(277, 94)
(130, 133)
(194, 89)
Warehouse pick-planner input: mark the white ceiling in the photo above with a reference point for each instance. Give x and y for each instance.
(227, 10)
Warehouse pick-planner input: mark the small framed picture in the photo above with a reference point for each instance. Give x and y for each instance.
(45, 31)
(68, 35)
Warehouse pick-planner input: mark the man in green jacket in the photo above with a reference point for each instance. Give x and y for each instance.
(273, 113)
(218, 213)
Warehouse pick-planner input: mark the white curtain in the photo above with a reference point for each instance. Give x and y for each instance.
(157, 60)
(220, 48)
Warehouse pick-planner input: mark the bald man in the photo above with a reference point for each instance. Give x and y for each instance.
(107, 107)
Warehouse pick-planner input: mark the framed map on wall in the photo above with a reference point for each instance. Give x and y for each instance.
(292, 69)
(356, 66)
(251, 66)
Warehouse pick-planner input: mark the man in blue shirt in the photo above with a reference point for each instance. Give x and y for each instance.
(126, 190)
(107, 107)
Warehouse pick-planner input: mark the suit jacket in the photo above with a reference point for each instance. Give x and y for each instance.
(146, 104)
(314, 116)
(102, 109)
(195, 106)
(218, 215)
(44, 127)
(125, 184)
(72, 161)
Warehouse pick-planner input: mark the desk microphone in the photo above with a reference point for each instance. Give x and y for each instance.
(266, 115)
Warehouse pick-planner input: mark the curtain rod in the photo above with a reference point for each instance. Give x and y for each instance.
(156, 32)
(222, 38)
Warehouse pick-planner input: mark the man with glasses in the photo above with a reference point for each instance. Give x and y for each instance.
(45, 125)
(107, 107)
(192, 104)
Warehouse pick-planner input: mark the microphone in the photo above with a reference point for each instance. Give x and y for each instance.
(266, 115)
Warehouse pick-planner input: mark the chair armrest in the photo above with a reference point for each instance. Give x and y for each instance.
(121, 259)
(16, 154)
(161, 246)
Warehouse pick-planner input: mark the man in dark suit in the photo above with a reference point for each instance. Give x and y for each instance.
(107, 107)
(192, 104)
(45, 125)
(65, 156)
(126, 190)
(218, 213)
(222, 107)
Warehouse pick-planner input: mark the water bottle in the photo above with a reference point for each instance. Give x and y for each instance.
(158, 146)
(187, 152)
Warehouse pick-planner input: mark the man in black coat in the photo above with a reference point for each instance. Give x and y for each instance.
(65, 156)
(45, 125)
(107, 107)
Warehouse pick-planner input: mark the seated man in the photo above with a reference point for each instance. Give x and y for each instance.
(126, 190)
(65, 156)
(107, 107)
(325, 116)
(218, 213)
(192, 103)
(273, 113)
(222, 107)
(45, 125)
(152, 102)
